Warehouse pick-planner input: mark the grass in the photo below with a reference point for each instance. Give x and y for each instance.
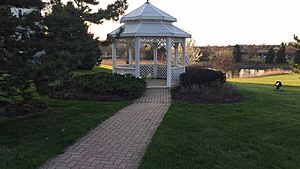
(262, 132)
(27, 142)
(102, 68)
(287, 79)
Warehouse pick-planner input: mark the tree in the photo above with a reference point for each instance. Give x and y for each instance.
(68, 30)
(297, 56)
(294, 64)
(271, 55)
(281, 54)
(237, 54)
(192, 52)
(68, 35)
(23, 4)
(223, 61)
(21, 39)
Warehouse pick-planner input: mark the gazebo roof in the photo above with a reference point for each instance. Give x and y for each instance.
(149, 21)
(148, 12)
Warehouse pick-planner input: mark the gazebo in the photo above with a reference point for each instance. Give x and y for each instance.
(150, 25)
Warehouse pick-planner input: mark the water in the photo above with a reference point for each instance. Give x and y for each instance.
(246, 73)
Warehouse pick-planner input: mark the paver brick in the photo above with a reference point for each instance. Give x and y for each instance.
(120, 141)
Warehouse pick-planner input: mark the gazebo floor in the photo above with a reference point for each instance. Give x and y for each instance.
(156, 83)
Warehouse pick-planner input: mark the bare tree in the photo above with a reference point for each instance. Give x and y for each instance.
(222, 61)
(192, 52)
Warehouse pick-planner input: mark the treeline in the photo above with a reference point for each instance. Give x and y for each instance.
(272, 54)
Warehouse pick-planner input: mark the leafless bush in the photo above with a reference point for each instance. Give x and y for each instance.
(213, 93)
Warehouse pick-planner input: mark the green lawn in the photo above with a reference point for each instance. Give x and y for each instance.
(94, 70)
(25, 143)
(262, 132)
(287, 79)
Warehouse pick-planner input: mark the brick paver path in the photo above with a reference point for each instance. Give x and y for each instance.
(120, 141)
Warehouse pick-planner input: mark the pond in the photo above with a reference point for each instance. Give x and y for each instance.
(246, 73)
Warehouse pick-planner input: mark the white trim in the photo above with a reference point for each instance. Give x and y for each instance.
(169, 58)
(114, 56)
(130, 56)
(137, 57)
(184, 52)
(176, 54)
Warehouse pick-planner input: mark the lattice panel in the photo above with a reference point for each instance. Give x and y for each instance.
(146, 70)
(162, 71)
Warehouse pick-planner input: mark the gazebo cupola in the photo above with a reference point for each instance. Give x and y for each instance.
(148, 25)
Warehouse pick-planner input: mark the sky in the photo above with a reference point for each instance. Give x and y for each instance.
(225, 22)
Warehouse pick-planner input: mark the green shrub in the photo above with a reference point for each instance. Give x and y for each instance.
(102, 86)
(196, 75)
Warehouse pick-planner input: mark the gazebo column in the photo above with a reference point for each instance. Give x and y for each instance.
(184, 52)
(137, 56)
(130, 56)
(176, 54)
(155, 61)
(114, 56)
(169, 58)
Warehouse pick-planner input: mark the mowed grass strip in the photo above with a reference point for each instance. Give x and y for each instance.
(262, 132)
(27, 142)
(292, 79)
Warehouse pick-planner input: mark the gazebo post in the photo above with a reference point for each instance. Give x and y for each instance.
(169, 58)
(137, 56)
(176, 54)
(155, 61)
(130, 56)
(184, 52)
(114, 56)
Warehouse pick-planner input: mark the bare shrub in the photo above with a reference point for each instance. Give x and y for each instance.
(213, 93)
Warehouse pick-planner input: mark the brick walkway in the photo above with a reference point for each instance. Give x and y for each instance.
(120, 141)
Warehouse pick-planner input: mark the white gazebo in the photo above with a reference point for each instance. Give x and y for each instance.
(150, 25)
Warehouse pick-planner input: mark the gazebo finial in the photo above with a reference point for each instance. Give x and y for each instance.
(147, 1)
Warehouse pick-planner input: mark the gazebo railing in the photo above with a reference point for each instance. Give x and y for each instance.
(176, 72)
(158, 71)
(124, 69)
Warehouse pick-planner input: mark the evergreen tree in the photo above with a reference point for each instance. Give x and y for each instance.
(281, 54)
(297, 56)
(296, 46)
(237, 54)
(21, 38)
(271, 55)
(293, 63)
(68, 31)
(38, 4)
